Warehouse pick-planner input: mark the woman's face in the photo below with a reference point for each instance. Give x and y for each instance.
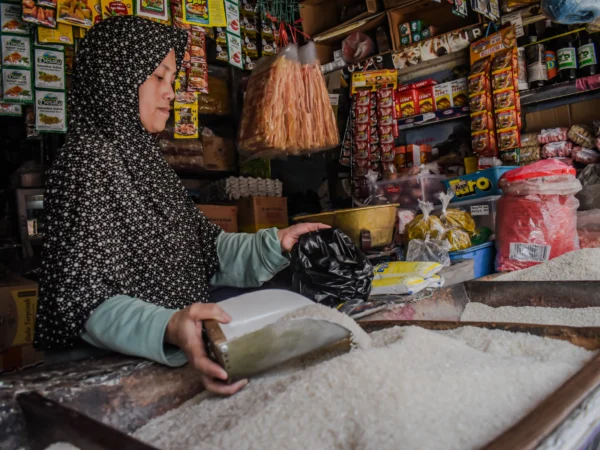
(156, 94)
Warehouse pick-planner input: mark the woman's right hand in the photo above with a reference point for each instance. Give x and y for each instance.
(184, 330)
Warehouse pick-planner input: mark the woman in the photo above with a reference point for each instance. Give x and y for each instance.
(128, 258)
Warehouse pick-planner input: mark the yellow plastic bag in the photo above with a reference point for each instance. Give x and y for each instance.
(459, 239)
(425, 224)
(455, 218)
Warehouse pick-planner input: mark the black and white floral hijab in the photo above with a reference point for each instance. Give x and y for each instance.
(118, 219)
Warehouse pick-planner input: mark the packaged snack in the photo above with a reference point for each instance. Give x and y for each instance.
(426, 100)
(443, 96)
(386, 135)
(363, 98)
(62, 34)
(502, 60)
(506, 118)
(385, 98)
(585, 155)
(204, 13)
(553, 135)
(387, 153)
(452, 217)
(16, 51)
(16, 86)
(186, 121)
(197, 76)
(529, 154)
(510, 157)
(557, 149)
(402, 285)
(50, 111)
(39, 13)
(374, 135)
(409, 103)
(10, 19)
(529, 140)
(503, 79)
(504, 99)
(49, 70)
(386, 116)
(582, 136)
(458, 239)
(508, 138)
(156, 9)
(425, 224)
(112, 8)
(362, 132)
(8, 109)
(460, 95)
(481, 102)
(484, 143)
(482, 121)
(80, 14)
(478, 83)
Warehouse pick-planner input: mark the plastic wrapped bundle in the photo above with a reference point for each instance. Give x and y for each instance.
(455, 218)
(286, 108)
(536, 215)
(425, 224)
(572, 11)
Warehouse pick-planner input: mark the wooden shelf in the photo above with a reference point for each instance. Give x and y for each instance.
(433, 118)
(561, 93)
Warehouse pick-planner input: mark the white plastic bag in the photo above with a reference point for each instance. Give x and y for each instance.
(433, 250)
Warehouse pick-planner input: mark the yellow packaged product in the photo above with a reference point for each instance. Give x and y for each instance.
(425, 224)
(80, 13)
(455, 218)
(398, 285)
(458, 239)
(62, 34)
(112, 8)
(186, 121)
(406, 268)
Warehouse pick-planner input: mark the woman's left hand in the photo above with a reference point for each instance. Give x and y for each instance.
(289, 236)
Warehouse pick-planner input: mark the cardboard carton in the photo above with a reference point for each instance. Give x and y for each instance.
(223, 216)
(18, 358)
(257, 213)
(219, 153)
(18, 305)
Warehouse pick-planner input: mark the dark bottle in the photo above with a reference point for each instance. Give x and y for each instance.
(536, 66)
(566, 56)
(587, 54)
(550, 51)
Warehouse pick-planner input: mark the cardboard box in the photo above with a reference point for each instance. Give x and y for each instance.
(19, 358)
(257, 213)
(219, 153)
(460, 94)
(426, 100)
(18, 305)
(443, 96)
(223, 216)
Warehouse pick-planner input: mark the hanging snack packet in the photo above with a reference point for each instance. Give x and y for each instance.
(10, 19)
(50, 111)
(455, 218)
(8, 109)
(186, 121)
(111, 8)
(79, 14)
(16, 51)
(425, 224)
(62, 34)
(16, 86)
(49, 70)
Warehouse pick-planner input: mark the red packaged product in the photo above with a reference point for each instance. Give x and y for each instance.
(408, 102)
(479, 83)
(553, 135)
(503, 60)
(484, 143)
(363, 132)
(362, 115)
(585, 155)
(426, 100)
(375, 153)
(424, 83)
(508, 138)
(374, 136)
(481, 66)
(536, 215)
(503, 80)
(504, 99)
(481, 121)
(387, 152)
(386, 116)
(506, 118)
(386, 135)
(363, 98)
(481, 102)
(557, 149)
(385, 98)
(361, 150)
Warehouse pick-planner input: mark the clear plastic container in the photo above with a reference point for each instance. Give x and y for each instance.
(408, 190)
(483, 210)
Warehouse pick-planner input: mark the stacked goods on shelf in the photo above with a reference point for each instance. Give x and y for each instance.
(16, 84)
(287, 108)
(483, 125)
(414, 32)
(373, 127)
(507, 103)
(536, 216)
(234, 188)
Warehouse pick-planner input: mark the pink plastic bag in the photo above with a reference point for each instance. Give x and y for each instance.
(535, 222)
(357, 46)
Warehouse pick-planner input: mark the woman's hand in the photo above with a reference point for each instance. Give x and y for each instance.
(289, 236)
(184, 330)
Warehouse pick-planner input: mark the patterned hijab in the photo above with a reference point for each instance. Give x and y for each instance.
(118, 219)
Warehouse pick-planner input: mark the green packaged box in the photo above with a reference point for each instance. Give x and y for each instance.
(416, 26)
(404, 29)
(405, 40)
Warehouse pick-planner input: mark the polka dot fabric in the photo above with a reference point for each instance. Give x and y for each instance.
(118, 219)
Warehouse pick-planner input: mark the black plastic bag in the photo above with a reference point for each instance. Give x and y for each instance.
(329, 269)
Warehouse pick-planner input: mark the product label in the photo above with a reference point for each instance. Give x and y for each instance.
(551, 65)
(529, 252)
(567, 58)
(466, 188)
(16, 86)
(16, 51)
(49, 69)
(480, 210)
(587, 55)
(10, 19)
(50, 111)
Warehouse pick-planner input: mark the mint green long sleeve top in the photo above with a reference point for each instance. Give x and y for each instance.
(134, 327)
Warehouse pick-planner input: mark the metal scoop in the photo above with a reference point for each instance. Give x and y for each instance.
(255, 340)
